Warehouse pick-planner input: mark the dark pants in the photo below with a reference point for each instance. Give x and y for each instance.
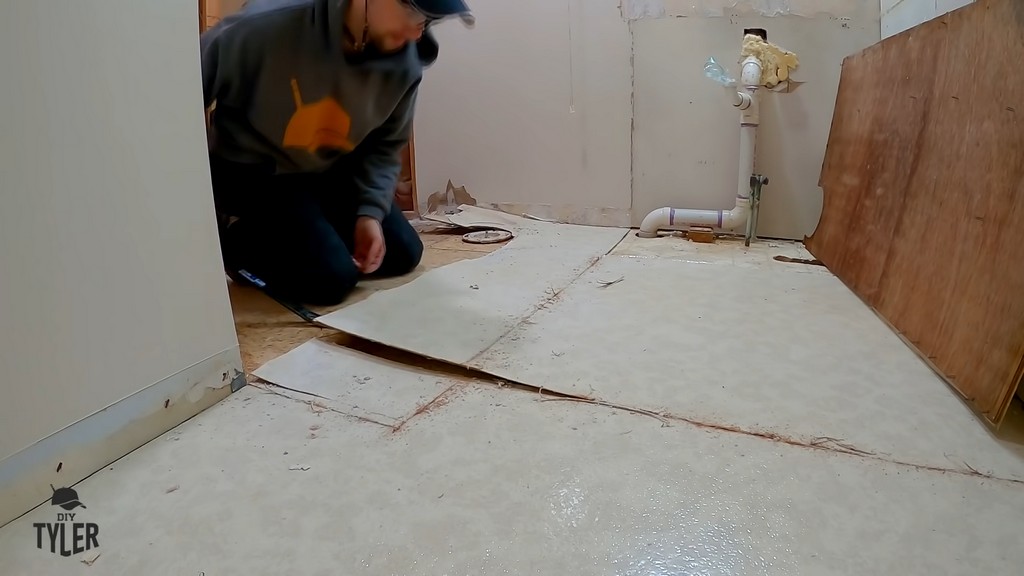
(295, 232)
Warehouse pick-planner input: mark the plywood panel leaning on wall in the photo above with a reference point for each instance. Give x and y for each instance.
(923, 185)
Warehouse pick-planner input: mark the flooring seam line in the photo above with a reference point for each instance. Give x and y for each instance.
(813, 445)
(423, 409)
(265, 385)
(852, 451)
(464, 370)
(546, 302)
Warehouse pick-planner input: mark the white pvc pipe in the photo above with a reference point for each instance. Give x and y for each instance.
(741, 100)
(680, 218)
(748, 136)
(751, 72)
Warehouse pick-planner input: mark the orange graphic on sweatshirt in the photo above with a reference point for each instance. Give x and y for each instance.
(322, 124)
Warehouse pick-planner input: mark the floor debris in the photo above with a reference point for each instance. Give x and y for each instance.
(487, 237)
(701, 235)
(539, 219)
(836, 443)
(812, 262)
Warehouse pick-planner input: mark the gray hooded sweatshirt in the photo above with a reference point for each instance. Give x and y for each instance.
(288, 97)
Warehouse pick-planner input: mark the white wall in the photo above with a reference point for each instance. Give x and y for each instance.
(110, 273)
(494, 114)
(501, 114)
(900, 15)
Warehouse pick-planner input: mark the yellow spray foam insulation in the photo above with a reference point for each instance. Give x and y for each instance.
(775, 62)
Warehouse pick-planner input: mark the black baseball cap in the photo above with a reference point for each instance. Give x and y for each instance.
(438, 9)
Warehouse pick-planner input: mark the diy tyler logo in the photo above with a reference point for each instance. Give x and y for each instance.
(65, 536)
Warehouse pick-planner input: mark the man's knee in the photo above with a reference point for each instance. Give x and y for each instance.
(404, 254)
(413, 252)
(330, 285)
(403, 247)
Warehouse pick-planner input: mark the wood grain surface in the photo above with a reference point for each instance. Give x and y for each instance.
(923, 181)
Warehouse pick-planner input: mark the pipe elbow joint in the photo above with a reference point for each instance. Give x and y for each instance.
(654, 221)
(736, 217)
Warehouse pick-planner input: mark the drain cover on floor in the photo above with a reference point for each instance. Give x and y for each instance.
(486, 236)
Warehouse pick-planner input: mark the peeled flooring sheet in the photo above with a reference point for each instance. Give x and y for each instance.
(730, 339)
(355, 384)
(717, 334)
(456, 312)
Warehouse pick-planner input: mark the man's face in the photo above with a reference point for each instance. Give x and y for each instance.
(394, 23)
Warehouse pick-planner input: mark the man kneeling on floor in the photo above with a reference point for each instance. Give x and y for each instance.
(313, 102)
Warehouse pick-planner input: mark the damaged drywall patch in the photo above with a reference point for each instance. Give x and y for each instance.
(448, 202)
(639, 9)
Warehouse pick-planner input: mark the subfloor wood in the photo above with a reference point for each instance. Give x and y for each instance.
(923, 184)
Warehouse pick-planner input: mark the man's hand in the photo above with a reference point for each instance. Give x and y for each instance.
(369, 248)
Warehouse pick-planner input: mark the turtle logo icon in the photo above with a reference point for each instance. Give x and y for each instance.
(66, 498)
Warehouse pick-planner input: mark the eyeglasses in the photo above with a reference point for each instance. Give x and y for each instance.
(417, 15)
